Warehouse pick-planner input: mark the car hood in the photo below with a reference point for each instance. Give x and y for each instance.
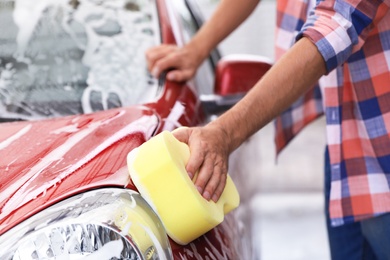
(43, 162)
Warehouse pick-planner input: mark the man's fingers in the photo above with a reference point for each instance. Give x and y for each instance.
(162, 64)
(204, 174)
(180, 75)
(213, 178)
(170, 61)
(221, 186)
(182, 134)
(180, 61)
(194, 163)
(157, 52)
(153, 55)
(208, 159)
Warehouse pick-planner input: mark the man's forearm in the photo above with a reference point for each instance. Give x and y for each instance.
(297, 71)
(226, 18)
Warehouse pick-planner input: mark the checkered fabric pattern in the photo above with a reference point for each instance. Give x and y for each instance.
(291, 16)
(354, 39)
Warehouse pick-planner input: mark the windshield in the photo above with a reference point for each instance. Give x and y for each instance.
(63, 57)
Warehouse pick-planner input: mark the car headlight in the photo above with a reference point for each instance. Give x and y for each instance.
(100, 224)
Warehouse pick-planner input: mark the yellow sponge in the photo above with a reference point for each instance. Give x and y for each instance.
(157, 169)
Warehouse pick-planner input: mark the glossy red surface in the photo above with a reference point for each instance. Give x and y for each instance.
(235, 76)
(57, 158)
(165, 23)
(43, 162)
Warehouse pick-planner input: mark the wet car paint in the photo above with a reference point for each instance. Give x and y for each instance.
(48, 160)
(70, 155)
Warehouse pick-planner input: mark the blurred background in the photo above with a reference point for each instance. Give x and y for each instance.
(286, 193)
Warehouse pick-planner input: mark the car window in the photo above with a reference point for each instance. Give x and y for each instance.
(62, 57)
(204, 77)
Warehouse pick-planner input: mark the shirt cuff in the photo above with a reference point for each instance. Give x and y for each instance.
(334, 36)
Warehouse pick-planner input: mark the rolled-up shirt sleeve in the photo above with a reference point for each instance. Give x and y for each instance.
(339, 28)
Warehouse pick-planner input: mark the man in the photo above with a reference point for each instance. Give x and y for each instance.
(349, 42)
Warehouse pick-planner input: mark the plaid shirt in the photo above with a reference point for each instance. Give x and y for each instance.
(354, 39)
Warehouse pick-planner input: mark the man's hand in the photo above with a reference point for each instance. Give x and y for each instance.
(209, 158)
(180, 62)
(211, 145)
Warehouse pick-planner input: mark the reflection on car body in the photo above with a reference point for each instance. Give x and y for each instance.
(73, 74)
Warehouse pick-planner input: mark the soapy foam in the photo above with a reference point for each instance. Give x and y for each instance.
(47, 27)
(14, 137)
(28, 191)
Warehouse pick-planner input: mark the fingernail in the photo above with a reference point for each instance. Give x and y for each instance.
(190, 175)
(155, 72)
(171, 77)
(215, 199)
(206, 195)
(199, 189)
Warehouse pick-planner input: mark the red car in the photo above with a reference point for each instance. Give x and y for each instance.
(75, 99)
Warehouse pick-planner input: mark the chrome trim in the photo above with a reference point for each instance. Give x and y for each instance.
(214, 104)
(241, 57)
